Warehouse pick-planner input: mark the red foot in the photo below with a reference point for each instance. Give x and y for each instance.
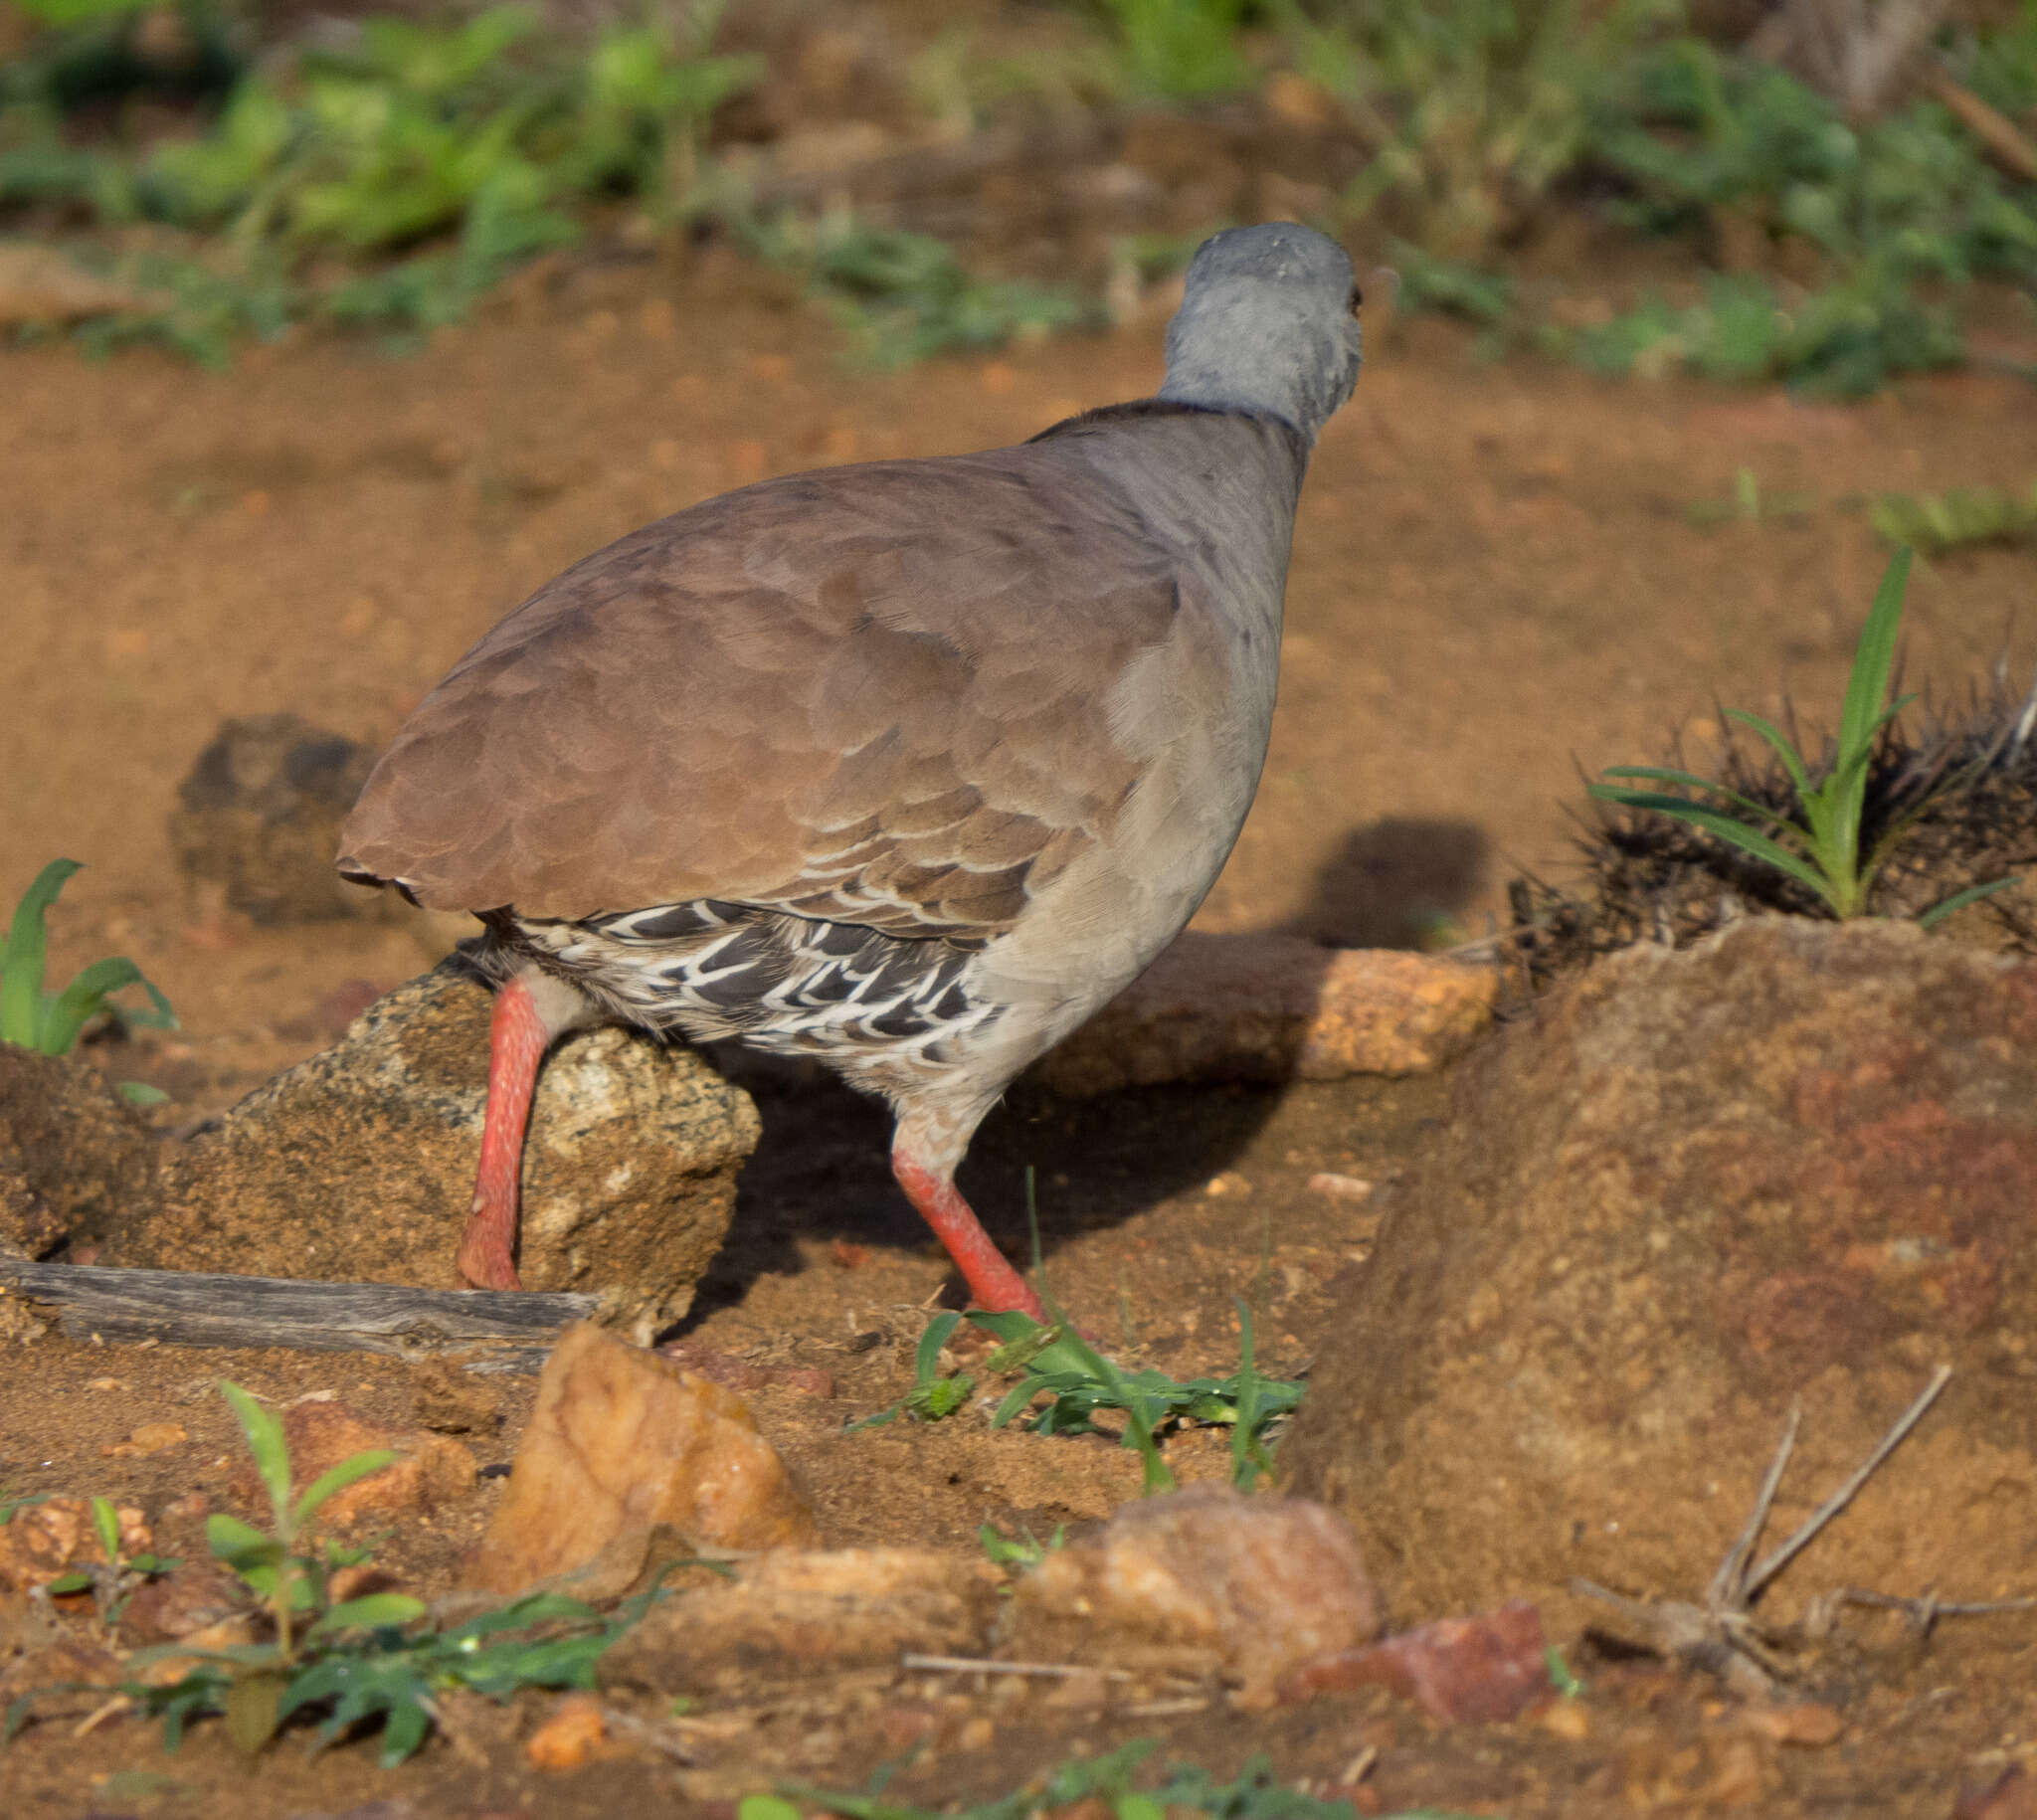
(992, 1282)
(517, 1039)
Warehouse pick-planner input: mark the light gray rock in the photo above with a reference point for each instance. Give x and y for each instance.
(358, 1165)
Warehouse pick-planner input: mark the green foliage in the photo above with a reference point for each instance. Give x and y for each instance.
(1107, 1781)
(932, 1396)
(1064, 1383)
(50, 1022)
(454, 150)
(349, 1664)
(1697, 136)
(903, 298)
(1958, 518)
(1820, 847)
(1749, 503)
(1179, 49)
(1845, 342)
(1023, 1551)
(1474, 109)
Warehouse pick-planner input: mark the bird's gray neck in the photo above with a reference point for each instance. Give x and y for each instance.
(1228, 350)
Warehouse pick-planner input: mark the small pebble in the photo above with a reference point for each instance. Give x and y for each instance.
(1230, 1183)
(1339, 1187)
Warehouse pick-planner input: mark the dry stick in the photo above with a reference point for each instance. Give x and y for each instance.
(1844, 1496)
(976, 1665)
(1728, 1585)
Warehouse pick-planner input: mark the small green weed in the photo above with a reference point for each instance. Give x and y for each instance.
(1179, 49)
(352, 1663)
(903, 298)
(1023, 1551)
(1846, 340)
(114, 1580)
(1064, 1383)
(1107, 1781)
(1820, 847)
(1750, 503)
(50, 1022)
(1959, 518)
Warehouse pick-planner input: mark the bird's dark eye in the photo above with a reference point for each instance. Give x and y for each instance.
(1356, 298)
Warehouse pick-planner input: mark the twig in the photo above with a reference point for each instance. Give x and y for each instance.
(1844, 1496)
(1722, 1635)
(92, 1719)
(976, 1665)
(1925, 1611)
(1729, 1588)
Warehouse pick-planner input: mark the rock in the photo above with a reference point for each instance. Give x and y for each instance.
(571, 1737)
(428, 1471)
(1791, 1161)
(1272, 1007)
(449, 1400)
(621, 1447)
(1489, 1667)
(358, 1165)
(40, 1542)
(821, 1610)
(193, 1597)
(75, 1159)
(259, 813)
(1253, 1586)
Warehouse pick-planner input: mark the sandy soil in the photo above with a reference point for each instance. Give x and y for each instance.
(1495, 582)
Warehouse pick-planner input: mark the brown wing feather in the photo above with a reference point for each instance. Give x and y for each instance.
(878, 694)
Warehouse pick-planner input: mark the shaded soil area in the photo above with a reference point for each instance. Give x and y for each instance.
(1496, 580)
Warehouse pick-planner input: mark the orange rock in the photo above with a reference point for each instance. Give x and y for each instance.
(822, 1611)
(1275, 1008)
(623, 1444)
(44, 1541)
(1262, 1585)
(151, 1437)
(571, 1737)
(428, 1471)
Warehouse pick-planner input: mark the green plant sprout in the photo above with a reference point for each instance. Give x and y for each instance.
(1958, 518)
(1023, 1550)
(50, 1022)
(114, 1580)
(355, 1662)
(1749, 503)
(1821, 849)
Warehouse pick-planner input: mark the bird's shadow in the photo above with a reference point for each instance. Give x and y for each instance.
(822, 1169)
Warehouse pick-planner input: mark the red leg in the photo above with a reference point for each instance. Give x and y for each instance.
(992, 1282)
(517, 1039)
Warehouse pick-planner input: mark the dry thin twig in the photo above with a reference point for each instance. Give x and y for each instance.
(1722, 1635)
(978, 1665)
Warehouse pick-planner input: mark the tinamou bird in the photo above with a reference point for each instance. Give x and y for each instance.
(906, 766)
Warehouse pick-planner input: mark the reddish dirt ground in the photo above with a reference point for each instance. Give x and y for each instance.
(1495, 582)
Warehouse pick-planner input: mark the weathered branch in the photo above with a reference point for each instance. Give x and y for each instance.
(193, 1308)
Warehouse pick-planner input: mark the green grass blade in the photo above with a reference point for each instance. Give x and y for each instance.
(926, 1361)
(1792, 761)
(1961, 899)
(265, 1442)
(1658, 773)
(105, 1522)
(370, 1611)
(21, 962)
(1724, 828)
(1874, 658)
(337, 1479)
(66, 1014)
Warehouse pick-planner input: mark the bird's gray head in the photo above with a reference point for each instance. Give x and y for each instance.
(1268, 322)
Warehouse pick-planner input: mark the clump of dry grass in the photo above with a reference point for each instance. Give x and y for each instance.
(1963, 781)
